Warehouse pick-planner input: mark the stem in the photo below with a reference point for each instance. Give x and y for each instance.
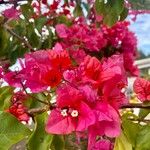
(135, 105)
(140, 120)
(11, 2)
(26, 43)
(38, 99)
(36, 111)
(32, 96)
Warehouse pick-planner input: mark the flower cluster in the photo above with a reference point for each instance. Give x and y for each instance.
(87, 72)
(82, 39)
(88, 94)
(17, 107)
(55, 9)
(80, 79)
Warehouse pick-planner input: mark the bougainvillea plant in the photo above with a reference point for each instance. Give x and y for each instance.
(64, 69)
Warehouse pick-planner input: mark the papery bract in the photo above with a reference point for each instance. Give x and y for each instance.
(13, 79)
(113, 74)
(51, 78)
(102, 145)
(125, 42)
(142, 89)
(17, 107)
(1, 72)
(107, 123)
(11, 13)
(61, 30)
(43, 69)
(59, 59)
(72, 114)
(81, 36)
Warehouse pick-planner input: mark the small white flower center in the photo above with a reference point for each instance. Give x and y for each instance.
(64, 112)
(74, 113)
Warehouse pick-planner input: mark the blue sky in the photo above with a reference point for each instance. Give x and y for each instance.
(141, 27)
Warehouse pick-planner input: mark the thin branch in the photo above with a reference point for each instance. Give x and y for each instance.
(12, 2)
(36, 111)
(140, 120)
(38, 99)
(135, 105)
(32, 95)
(26, 43)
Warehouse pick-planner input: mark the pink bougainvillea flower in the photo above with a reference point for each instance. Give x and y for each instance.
(116, 98)
(45, 68)
(59, 59)
(94, 77)
(129, 45)
(113, 74)
(107, 123)
(62, 31)
(116, 33)
(33, 70)
(44, 2)
(58, 47)
(90, 93)
(40, 70)
(17, 107)
(121, 38)
(1, 72)
(19, 96)
(91, 67)
(102, 145)
(142, 89)
(19, 111)
(13, 79)
(71, 114)
(52, 78)
(129, 64)
(39, 57)
(11, 13)
(78, 36)
(78, 55)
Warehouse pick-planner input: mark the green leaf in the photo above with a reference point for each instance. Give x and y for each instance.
(100, 6)
(110, 10)
(12, 23)
(131, 130)
(27, 10)
(78, 11)
(124, 14)
(39, 23)
(33, 38)
(122, 143)
(48, 42)
(110, 19)
(11, 131)
(117, 6)
(33, 102)
(20, 27)
(5, 97)
(17, 52)
(58, 143)
(143, 113)
(39, 139)
(62, 19)
(1, 20)
(4, 38)
(143, 138)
